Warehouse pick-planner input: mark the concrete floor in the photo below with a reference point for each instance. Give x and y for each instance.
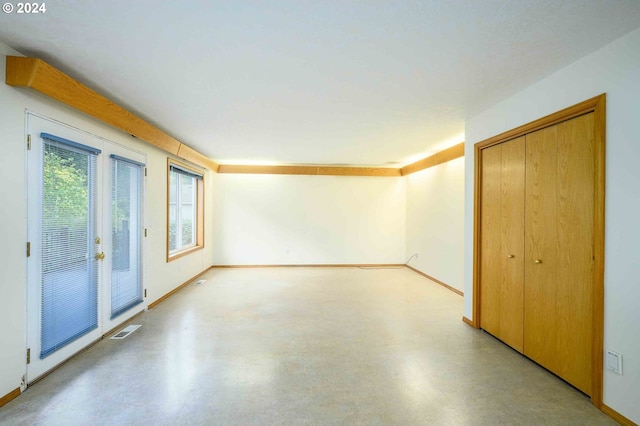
(304, 346)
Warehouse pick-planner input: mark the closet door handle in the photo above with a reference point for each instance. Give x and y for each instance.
(510, 256)
(537, 261)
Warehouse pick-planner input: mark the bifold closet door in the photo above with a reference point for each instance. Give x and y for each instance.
(559, 249)
(502, 251)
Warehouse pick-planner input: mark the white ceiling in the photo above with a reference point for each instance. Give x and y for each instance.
(326, 81)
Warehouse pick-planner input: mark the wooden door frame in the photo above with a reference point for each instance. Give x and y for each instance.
(597, 105)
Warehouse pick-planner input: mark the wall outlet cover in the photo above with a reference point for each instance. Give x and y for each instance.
(614, 362)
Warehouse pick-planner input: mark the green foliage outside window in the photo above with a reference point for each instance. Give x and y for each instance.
(65, 206)
(187, 233)
(65, 189)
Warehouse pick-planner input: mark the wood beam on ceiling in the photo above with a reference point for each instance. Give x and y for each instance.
(36, 74)
(443, 156)
(358, 171)
(310, 170)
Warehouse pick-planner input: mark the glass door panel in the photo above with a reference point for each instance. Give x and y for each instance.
(126, 217)
(69, 271)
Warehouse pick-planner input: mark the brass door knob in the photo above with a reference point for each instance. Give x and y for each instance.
(510, 256)
(100, 256)
(537, 261)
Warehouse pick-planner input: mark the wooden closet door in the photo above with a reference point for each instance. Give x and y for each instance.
(575, 251)
(540, 331)
(491, 248)
(512, 239)
(559, 249)
(502, 229)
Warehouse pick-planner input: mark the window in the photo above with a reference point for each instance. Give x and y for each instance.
(185, 210)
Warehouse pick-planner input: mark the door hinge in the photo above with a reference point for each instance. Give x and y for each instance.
(145, 292)
(28, 249)
(145, 171)
(28, 355)
(145, 232)
(28, 142)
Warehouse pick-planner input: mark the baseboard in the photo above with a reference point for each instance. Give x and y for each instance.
(10, 396)
(445, 285)
(617, 416)
(177, 289)
(316, 265)
(468, 322)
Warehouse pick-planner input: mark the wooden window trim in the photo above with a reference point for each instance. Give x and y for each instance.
(199, 212)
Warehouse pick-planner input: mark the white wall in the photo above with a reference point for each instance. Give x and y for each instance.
(614, 69)
(435, 221)
(286, 219)
(159, 278)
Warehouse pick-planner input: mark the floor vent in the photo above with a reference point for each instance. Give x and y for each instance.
(125, 332)
(200, 282)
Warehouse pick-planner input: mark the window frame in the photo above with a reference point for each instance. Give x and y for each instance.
(199, 202)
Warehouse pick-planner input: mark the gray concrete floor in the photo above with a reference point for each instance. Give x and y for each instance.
(304, 346)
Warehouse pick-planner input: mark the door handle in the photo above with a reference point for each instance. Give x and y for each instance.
(510, 256)
(537, 261)
(100, 256)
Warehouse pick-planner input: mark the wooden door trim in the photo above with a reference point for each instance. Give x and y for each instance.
(597, 105)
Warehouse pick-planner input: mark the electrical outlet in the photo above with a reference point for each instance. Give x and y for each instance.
(614, 362)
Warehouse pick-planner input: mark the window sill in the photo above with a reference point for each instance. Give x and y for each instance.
(178, 255)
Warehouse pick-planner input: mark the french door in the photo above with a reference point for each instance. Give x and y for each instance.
(84, 273)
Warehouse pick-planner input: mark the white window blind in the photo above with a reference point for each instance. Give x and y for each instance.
(69, 300)
(126, 227)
